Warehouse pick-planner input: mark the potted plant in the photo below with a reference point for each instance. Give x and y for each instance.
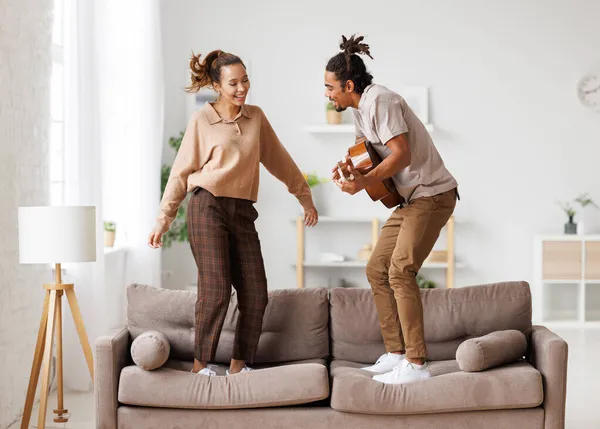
(333, 116)
(313, 181)
(424, 283)
(570, 226)
(178, 230)
(109, 233)
(584, 201)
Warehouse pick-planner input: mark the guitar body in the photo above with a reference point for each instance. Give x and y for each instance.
(364, 159)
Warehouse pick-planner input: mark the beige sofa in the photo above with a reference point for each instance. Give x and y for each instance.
(313, 343)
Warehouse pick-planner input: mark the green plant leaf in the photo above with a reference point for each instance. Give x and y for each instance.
(178, 231)
(584, 200)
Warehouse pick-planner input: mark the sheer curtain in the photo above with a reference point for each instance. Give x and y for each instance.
(114, 116)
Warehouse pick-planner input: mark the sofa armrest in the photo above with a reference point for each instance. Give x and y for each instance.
(549, 354)
(112, 355)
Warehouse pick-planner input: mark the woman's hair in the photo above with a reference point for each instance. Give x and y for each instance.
(208, 72)
(347, 65)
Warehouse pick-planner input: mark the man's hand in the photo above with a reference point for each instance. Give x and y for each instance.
(355, 182)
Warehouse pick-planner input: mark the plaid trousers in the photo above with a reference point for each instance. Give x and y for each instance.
(227, 251)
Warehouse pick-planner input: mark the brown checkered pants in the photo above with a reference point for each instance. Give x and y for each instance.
(227, 251)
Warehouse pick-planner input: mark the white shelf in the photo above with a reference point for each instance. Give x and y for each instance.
(362, 264)
(334, 219)
(569, 237)
(341, 128)
(561, 281)
(344, 264)
(568, 324)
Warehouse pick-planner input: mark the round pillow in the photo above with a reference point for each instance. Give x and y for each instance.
(150, 350)
(497, 348)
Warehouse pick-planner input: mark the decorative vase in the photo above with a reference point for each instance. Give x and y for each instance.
(570, 227)
(109, 238)
(365, 252)
(334, 117)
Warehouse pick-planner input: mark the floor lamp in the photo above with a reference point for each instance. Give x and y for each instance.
(55, 235)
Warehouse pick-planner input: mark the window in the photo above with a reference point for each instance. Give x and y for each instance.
(57, 111)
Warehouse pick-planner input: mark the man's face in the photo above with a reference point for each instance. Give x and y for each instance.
(337, 94)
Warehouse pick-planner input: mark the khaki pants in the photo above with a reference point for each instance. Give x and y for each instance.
(406, 240)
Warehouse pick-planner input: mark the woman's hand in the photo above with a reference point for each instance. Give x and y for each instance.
(155, 238)
(311, 216)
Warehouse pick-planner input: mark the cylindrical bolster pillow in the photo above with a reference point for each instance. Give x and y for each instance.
(150, 350)
(497, 348)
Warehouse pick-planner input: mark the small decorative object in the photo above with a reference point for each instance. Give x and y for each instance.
(333, 116)
(570, 226)
(110, 229)
(583, 200)
(365, 252)
(336, 282)
(424, 283)
(332, 257)
(437, 256)
(588, 90)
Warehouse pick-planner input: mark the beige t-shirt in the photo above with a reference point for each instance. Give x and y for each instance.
(224, 158)
(382, 115)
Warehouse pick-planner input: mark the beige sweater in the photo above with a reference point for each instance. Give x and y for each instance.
(223, 157)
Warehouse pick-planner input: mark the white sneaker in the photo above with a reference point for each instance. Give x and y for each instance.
(206, 372)
(406, 372)
(244, 369)
(385, 363)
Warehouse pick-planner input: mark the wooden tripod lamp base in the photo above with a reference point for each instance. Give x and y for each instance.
(48, 234)
(51, 324)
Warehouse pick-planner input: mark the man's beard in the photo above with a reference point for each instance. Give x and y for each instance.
(340, 109)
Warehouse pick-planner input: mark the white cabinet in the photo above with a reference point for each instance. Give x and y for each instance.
(567, 279)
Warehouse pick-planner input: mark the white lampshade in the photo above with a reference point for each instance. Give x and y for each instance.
(58, 234)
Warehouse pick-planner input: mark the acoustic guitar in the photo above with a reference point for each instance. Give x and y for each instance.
(364, 158)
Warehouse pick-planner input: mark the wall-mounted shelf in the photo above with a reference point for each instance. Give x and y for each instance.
(301, 263)
(341, 128)
(362, 264)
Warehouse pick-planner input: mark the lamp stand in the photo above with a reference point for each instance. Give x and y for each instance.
(51, 322)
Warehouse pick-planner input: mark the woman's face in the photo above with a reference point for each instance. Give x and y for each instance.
(234, 84)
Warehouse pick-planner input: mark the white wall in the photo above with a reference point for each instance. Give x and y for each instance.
(502, 78)
(24, 122)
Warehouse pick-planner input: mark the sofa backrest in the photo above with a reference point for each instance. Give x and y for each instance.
(295, 324)
(451, 316)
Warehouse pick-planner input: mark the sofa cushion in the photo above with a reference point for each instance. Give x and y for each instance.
(150, 350)
(517, 385)
(174, 386)
(451, 316)
(494, 349)
(295, 324)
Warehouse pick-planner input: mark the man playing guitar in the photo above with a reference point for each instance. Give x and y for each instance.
(428, 192)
